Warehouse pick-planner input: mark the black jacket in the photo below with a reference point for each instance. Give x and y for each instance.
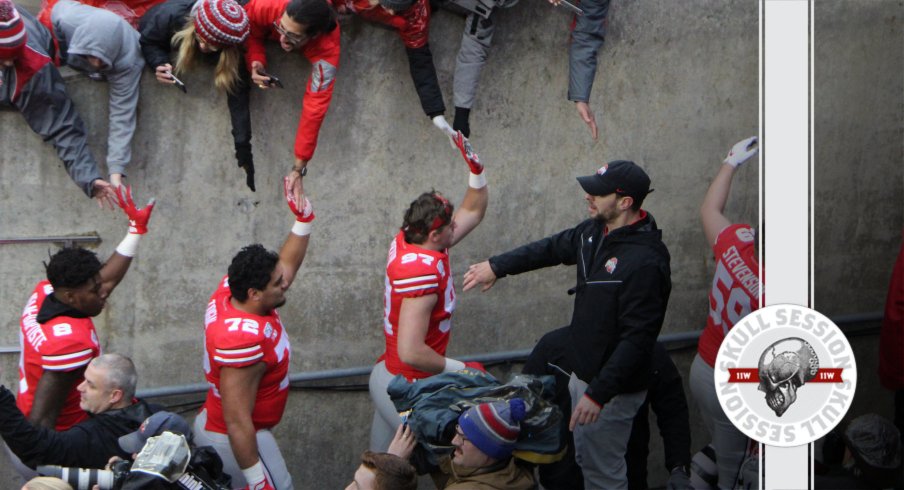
(157, 27)
(666, 398)
(622, 290)
(88, 444)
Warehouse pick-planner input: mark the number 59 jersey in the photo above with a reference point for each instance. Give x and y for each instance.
(736, 288)
(233, 338)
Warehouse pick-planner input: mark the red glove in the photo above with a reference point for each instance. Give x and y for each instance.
(476, 365)
(262, 485)
(306, 215)
(138, 218)
(468, 153)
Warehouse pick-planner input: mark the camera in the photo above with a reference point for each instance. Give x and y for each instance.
(86, 478)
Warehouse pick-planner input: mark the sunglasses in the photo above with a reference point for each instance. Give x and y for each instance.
(292, 39)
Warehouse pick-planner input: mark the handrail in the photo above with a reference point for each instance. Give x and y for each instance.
(68, 240)
(500, 356)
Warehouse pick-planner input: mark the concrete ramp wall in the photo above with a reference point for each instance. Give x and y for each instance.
(677, 85)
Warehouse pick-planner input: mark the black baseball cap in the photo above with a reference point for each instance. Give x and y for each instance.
(622, 176)
(154, 426)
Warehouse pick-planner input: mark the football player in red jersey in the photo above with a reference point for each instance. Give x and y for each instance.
(56, 332)
(736, 291)
(419, 294)
(246, 358)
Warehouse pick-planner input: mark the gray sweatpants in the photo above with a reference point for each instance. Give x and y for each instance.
(271, 459)
(386, 418)
(729, 443)
(600, 447)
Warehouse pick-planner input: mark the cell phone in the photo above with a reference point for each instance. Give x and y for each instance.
(570, 6)
(178, 83)
(274, 82)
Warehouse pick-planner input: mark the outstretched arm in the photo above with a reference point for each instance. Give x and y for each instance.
(474, 205)
(717, 195)
(118, 264)
(294, 249)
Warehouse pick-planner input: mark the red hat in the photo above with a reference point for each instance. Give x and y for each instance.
(221, 22)
(12, 31)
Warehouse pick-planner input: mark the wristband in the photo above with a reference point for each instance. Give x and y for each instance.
(477, 181)
(254, 474)
(128, 247)
(301, 229)
(452, 365)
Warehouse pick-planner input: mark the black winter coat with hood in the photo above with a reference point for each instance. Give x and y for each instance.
(621, 295)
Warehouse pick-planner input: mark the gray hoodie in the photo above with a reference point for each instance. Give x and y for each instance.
(88, 31)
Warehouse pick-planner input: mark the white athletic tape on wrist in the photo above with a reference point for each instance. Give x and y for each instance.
(254, 474)
(129, 245)
(453, 365)
(301, 229)
(476, 181)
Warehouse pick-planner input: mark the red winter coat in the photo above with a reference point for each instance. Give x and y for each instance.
(323, 53)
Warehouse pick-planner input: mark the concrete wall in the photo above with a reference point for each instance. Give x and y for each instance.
(676, 87)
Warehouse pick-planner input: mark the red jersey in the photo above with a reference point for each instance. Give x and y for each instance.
(61, 344)
(233, 338)
(412, 24)
(323, 53)
(412, 271)
(736, 289)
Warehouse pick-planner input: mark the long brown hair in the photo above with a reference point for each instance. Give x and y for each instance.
(226, 74)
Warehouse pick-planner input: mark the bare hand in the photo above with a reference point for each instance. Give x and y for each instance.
(296, 185)
(104, 194)
(480, 273)
(586, 412)
(403, 443)
(587, 116)
(164, 73)
(259, 75)
(116, 180)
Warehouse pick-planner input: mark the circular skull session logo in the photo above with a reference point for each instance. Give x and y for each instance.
(785, 375)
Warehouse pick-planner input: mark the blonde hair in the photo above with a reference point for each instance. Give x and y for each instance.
(226, 74)
(46, 483)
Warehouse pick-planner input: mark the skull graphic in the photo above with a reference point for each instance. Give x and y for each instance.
(784, 367)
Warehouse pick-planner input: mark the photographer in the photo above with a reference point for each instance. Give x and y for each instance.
(163, 458)
(107, 393)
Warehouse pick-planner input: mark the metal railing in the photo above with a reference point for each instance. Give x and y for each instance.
(67, 241)
(672, 341)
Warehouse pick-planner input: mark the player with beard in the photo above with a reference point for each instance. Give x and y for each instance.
(246, 358)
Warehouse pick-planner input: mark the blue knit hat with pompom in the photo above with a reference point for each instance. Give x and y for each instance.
(494, 427)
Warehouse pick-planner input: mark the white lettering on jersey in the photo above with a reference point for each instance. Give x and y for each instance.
(246, 324)
(210, 315)
(32, 331)
(62, 329)
(387, 301)
(411, 257)
(738, 305)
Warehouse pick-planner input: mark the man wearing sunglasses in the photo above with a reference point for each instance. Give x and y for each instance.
(419, 295)
(308, 26)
